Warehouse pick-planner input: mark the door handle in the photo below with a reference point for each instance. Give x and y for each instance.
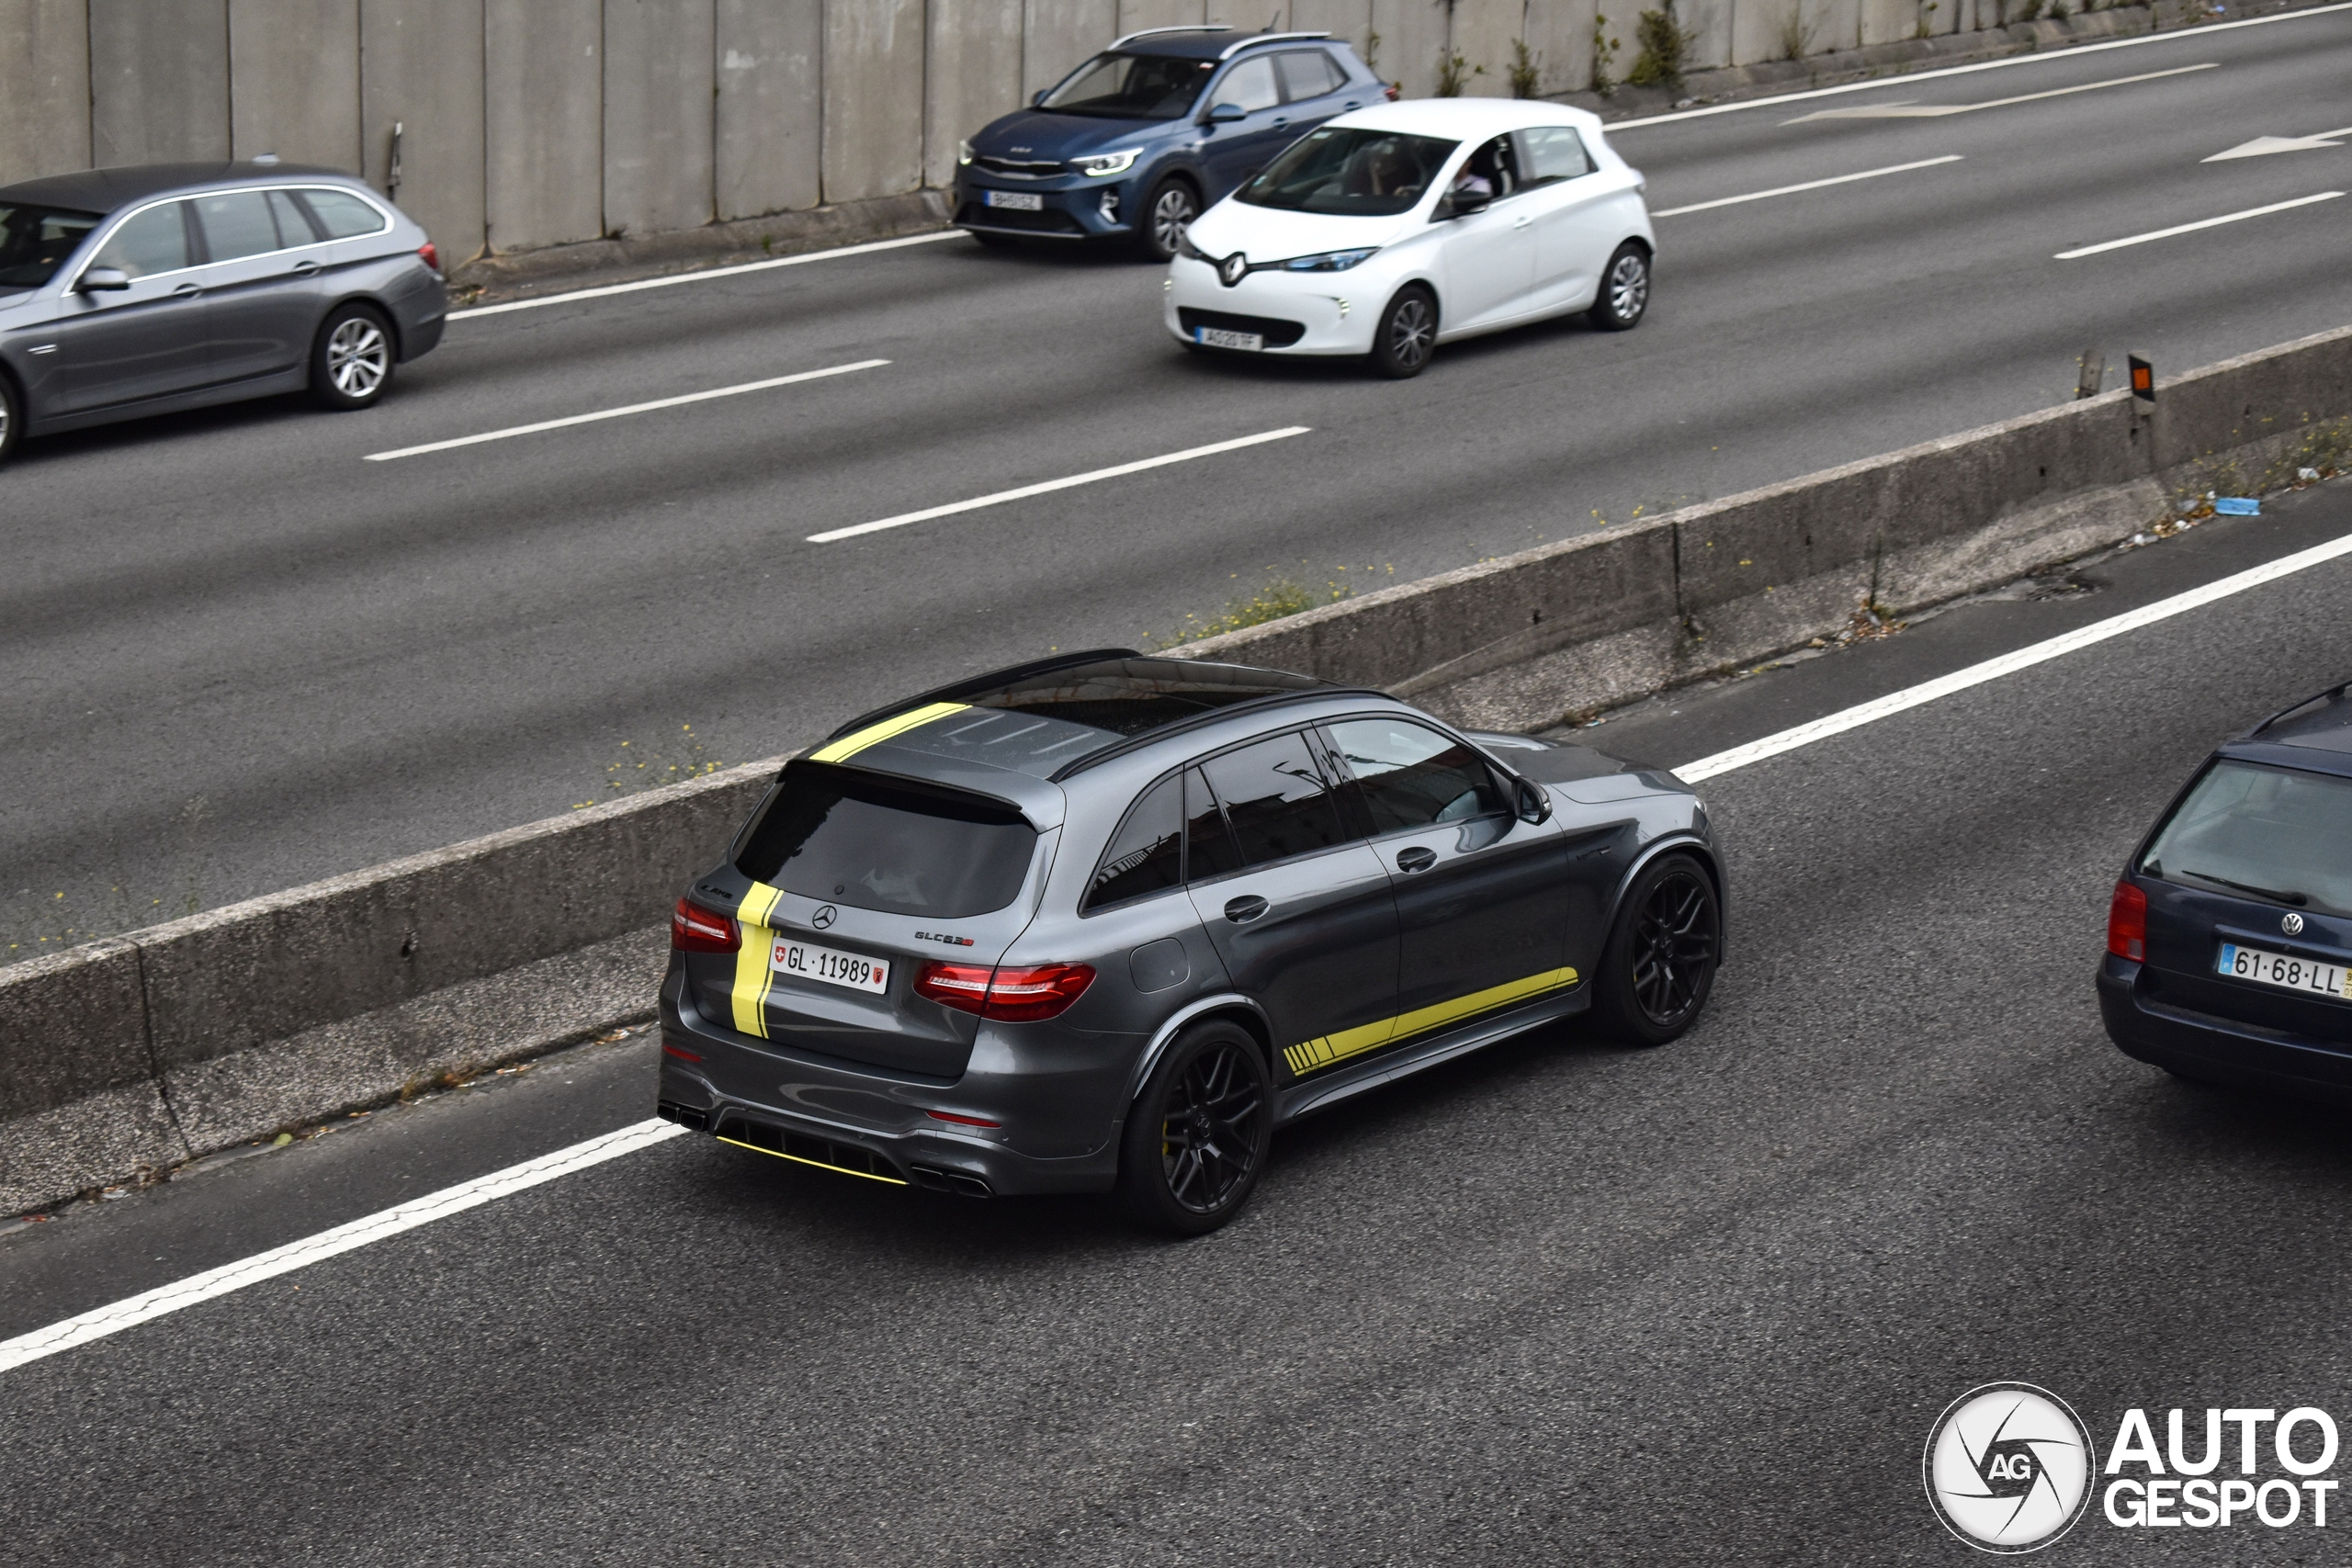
(306, 269)
(1416, 857)
(1246, 909)
(1521, 221)
(1282, 124)
(187, 291)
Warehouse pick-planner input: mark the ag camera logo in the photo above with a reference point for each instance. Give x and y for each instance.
(2008, 1467)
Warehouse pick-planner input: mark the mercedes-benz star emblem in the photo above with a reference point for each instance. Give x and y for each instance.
(2292, 925)
(824, 917)
(1233, 269)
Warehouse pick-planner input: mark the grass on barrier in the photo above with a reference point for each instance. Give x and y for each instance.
(1279, 596)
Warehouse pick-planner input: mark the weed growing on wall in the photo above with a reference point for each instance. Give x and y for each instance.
(1454, 72)
(1281, 595)
(1797, 33)
(1604, 55)
(1664, 44)
(1523, 64)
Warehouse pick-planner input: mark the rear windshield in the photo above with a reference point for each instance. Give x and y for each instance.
(2277, 834)
(1350, 172)
(1131, 86)
(35, 241)
(831, 833)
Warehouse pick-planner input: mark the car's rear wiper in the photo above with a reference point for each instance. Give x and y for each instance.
(2283, 894)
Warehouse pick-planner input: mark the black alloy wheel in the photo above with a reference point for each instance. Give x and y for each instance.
(1197, 1136)
(1407, 336)
(1661, 963)
(1624, 290)
(12, 418)
(351, 360)
(1170, 212)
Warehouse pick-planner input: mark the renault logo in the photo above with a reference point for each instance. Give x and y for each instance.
(2292, 925)
(1233, 269)
(824, 917)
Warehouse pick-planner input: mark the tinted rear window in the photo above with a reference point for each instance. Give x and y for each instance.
(831, 833)
(2277, 834)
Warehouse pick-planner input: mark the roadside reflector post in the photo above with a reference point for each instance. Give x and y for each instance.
(2090, 373)
(2144, 379)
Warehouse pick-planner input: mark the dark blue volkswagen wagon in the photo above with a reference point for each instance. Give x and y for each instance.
(2229, 939)
(1137, 141)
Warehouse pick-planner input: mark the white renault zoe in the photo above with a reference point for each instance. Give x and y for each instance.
(1391, 229)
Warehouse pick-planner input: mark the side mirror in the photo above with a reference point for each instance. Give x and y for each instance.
(1466, 203)
(1037, 99)
(1534, 803)
(1226, 114)
(102, 280)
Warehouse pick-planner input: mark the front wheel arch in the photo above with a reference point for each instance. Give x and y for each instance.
(1697, 849)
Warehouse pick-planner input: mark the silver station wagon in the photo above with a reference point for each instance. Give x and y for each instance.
(1105, 922)
(149, 289)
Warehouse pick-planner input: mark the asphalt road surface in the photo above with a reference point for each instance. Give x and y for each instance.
(235, 656)
(1557, 1303)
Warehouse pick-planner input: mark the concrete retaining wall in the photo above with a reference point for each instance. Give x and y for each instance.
(141, 1051)
(530, 123)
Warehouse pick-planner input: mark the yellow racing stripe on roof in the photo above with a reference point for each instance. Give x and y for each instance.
(1309, 1055)
(875, 734)
(752, 973)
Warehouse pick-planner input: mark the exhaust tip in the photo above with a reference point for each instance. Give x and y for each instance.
(687, 1116)
(943, 1181)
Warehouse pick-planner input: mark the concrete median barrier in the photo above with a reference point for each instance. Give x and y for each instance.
(125, 1056)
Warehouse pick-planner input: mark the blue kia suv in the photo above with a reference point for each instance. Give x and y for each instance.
(1135, 144)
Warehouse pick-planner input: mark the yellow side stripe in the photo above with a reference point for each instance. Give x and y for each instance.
(752, 974)
(820, 1165)
(1324, 1050)
(875, 734)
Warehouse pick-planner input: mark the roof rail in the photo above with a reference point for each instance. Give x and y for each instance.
(981, 683)
(2331, 694)
(1256, 39)
(1154, 32)
(1206, 718)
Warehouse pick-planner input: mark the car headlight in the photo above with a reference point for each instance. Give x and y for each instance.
(1098, 166)
(1330, 261)
(963, 153)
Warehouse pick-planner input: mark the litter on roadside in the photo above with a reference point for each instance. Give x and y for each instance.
(2237, 506)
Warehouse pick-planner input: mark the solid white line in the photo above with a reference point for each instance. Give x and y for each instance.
(188, 1293)
(709, 274)
(1001, 497)
(1909, 110)
(1880, 84)
(621, 413)
(1809, 184)
(2011, 663)
(2200, 223)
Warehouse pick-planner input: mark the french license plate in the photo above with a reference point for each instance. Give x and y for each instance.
(1217, 337)
(806, 962)
(1017, 200)
(2287, 973)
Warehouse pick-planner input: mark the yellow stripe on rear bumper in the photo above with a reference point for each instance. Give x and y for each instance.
(752, 974)
(1325, 1050)
(875, 734)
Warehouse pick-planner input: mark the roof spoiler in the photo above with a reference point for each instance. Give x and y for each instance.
(1122, 42)
(1256, 39)
(981, 683)
(2329, 696)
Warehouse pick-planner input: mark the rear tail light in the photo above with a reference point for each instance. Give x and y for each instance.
(1012, 996)
(694, 929)
(2127, 923)
(1391, 91)
(431, 255)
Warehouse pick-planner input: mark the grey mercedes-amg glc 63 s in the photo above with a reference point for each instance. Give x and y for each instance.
(1105, 922)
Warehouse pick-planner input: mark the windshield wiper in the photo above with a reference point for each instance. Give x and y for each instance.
(2283, 894)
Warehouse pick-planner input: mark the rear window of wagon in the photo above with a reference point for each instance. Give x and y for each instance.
(2279, 834)
(848, 838)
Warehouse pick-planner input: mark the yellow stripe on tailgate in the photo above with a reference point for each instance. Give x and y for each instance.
(875, 734)
(752, 975)
(1322, 1051)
